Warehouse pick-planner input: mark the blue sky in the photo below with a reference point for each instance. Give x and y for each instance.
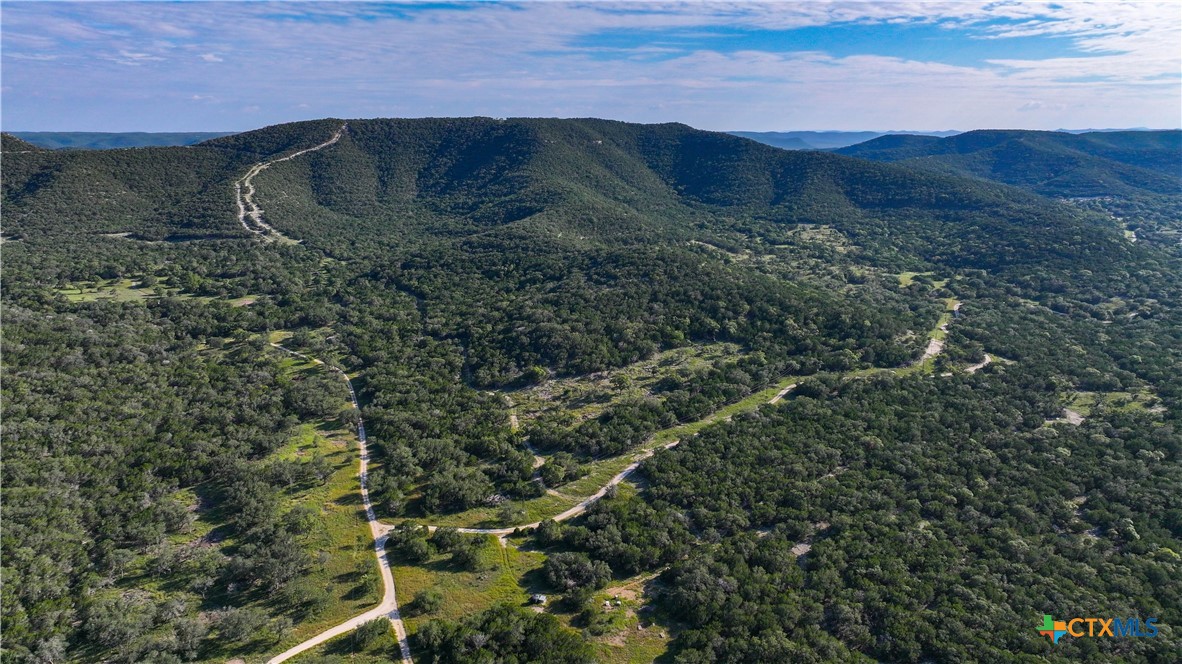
(228, 66)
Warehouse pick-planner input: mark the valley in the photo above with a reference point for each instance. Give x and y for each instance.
(714, 400)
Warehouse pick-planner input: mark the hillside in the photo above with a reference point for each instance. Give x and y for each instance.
(10, 143)
(1050, 163)
(718, 400)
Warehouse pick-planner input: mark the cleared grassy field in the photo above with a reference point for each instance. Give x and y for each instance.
(536, 509)
(588, 396)
(130, 290)
(341, 538)
(1141, 400)
(117, 290)
(506, 574)
(619, 633)
(906, 278)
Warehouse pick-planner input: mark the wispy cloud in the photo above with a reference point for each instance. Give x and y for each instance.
(1037, 105)
(126, 57)
(715, 65)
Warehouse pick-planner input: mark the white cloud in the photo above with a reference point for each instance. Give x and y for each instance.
(501, 60)
(1036, 105)
(133, 58)
(37, 57)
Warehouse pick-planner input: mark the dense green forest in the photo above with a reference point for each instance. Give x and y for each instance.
(177, 489)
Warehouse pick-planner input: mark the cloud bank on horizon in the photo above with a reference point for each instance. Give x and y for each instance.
(194, 66)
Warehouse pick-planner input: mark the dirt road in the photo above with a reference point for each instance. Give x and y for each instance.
(244, 192)
(389, 605)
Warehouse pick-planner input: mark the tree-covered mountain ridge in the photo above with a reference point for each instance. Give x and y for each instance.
(574, 181)
(1050, 163)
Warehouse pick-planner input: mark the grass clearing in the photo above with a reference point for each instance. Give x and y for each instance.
(132, 290)
(906, 278)
(342, 538)
(621, 623)
(340, 649)
(821, 234)
(506, 575)
(940, 331)
(588, 396)
(466, 592)
(1141, 400)
(535, 509)
(115, 290)
(625, 637)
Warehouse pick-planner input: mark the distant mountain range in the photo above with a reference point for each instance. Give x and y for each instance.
(86, 140)
(789, 140)
(94, 140)
(833, 140)
(1051, 163)
(824, 140)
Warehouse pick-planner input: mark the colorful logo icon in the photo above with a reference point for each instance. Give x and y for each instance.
(1053, 629)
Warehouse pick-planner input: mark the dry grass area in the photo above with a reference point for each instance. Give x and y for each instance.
(623, 627)
(588, 396)
(1142, 400)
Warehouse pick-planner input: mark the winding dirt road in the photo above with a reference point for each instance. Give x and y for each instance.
(782, 393)
(389, 604)
(244, 192)
(934, 348)
(980, 365)
(513, 423)
(568, 514)
(593, 498)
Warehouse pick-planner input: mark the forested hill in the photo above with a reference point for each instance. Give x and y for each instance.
(1118, 163)
(10, 143)
(564, 182)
